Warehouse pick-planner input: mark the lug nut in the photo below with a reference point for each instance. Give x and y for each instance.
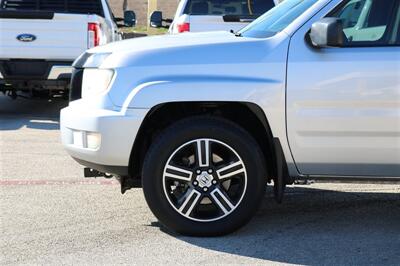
(195, 183)
(205, 189)
(214, 182)
(210, 171)
(198, 172)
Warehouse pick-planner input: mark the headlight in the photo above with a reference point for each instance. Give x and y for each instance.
(96, 81)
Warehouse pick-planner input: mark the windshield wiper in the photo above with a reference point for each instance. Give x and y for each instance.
(237, 34)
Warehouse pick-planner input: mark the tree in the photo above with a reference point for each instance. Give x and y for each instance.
(125, 5)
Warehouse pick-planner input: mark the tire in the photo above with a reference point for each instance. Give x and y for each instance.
(175, 177)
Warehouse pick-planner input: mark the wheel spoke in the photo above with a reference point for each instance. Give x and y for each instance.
(230, 170)
(190, 202)
(203, 152)
(222, 201)
(178, 173)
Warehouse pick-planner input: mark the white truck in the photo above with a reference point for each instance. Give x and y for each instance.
(212, 15)
(39, 40)
(310, 90)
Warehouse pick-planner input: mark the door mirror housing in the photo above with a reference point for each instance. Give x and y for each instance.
(156, 19)
(129, 18)
(327, 32)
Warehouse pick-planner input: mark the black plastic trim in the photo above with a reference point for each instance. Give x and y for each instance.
(344, 179)
(75, 92)
(81, 60)
(11, 14)
(28, 69)
(110, 169)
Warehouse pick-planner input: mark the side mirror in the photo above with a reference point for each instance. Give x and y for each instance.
(156, 19)
(327, 32)
(129, 18)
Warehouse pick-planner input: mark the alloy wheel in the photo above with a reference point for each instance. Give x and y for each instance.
(204, 180)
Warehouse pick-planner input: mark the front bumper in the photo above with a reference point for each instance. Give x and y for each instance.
(115, 133)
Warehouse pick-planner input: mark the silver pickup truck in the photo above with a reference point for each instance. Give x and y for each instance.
(310, 90)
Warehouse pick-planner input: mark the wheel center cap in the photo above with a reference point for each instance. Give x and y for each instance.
(204, 179)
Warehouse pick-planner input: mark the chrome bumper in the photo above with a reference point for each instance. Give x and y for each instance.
(57, 71)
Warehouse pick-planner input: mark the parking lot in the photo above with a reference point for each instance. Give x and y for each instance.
(50, 214)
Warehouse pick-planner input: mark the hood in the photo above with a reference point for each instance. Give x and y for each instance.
(165, 41)
(209, 47)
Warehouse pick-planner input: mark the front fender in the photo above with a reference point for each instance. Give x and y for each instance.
(268, 94)
(204, 89)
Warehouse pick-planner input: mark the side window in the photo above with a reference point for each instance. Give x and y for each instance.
(368, 22)
(395, 37)
(351, 12)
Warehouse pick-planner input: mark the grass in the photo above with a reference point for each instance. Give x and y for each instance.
(145, 30)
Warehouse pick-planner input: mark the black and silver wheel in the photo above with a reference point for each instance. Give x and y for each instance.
(204, 180)
(204, 177)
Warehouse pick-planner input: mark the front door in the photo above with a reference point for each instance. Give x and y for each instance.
(343, 104)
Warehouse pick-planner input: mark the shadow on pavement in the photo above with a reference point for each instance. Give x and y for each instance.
(14, 124)
(319, 227)
(30, 113)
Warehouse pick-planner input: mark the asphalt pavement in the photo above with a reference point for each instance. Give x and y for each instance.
(50, 214)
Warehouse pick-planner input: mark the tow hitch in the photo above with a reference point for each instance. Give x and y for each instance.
(126, 182)
(89, 173)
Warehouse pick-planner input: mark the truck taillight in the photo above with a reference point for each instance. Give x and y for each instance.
(183, 27)
(93, 35)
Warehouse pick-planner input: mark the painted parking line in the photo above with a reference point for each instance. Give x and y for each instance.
(15, 182)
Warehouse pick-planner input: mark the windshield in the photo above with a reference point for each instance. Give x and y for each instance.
(228, 7)
(276, 19)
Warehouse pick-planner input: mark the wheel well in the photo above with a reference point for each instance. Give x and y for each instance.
(247, 115)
